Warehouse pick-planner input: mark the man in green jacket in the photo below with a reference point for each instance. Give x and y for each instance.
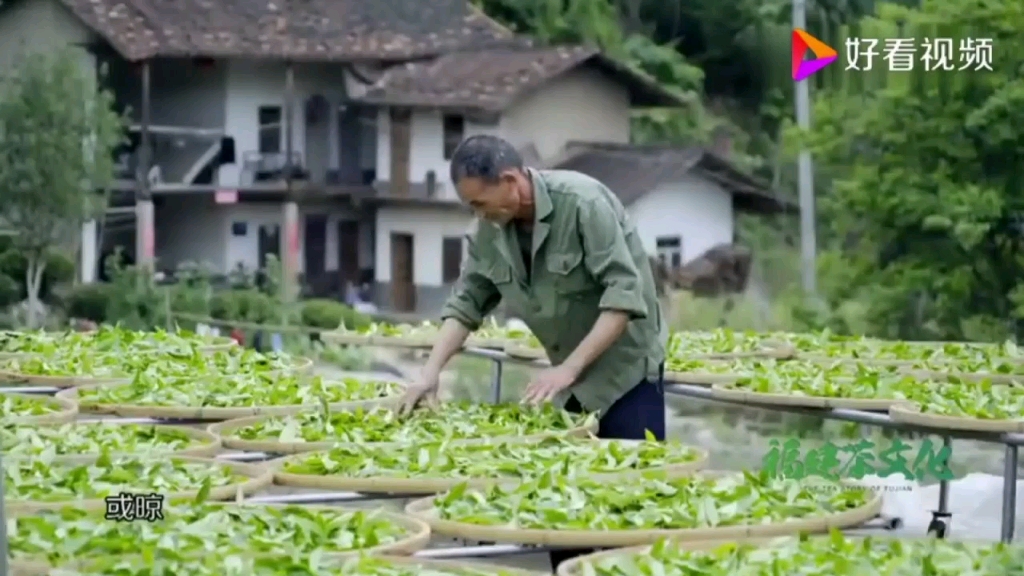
(557, 247)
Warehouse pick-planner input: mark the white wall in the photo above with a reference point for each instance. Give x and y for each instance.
(428, 226)
(696, 209)
(582, 104)
(192, 228)
(251, 84)
(427, 149)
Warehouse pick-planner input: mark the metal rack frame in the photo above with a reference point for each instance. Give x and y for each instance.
(941, 516)
(1012, 441)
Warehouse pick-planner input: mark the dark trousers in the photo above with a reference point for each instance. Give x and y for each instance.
(641, 409)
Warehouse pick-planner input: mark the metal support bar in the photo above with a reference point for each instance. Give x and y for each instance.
(947, 444)
(941, 518)
(858, 416)
(3, 527)
(496, 381)
(1009, 493)
(144, 421)
(30, 389)
(244, 456)
(326, 497)
(1012, 441)
(479, 551)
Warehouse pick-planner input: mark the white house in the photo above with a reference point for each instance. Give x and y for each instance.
(351, 185)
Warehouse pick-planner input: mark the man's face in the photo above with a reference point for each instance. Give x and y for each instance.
(496, 202)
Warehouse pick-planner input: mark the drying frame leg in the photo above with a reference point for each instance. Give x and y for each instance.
(3, 527)
(1009, 493)
(496, 373)
(941, 517)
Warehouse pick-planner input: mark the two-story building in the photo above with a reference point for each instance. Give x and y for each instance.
(320, 131)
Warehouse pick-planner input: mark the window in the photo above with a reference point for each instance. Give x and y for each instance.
(454, 128)
(451, 259)
(239, 229)
(270, 129)
(670, 251)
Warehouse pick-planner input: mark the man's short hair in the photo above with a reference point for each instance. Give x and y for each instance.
(484, 157)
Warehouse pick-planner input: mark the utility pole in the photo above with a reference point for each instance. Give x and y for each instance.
(805, 171)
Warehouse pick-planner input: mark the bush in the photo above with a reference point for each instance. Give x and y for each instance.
(329, 314)
(244, 306)
(89, 301)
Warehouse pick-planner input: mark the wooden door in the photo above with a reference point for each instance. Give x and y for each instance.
(401, 150)
(403, 286)
(348, 251)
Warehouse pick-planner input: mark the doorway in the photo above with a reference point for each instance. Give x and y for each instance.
(315, 248)
(268, 243)
(403, 286)
(348, 252)
(318, 137)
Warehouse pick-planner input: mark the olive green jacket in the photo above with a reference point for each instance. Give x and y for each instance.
(587, 257)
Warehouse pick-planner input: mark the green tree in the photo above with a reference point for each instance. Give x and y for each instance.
(57, 135)
(926, 208)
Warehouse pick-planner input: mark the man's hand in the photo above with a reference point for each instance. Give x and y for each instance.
(548, 383)
(422, 389)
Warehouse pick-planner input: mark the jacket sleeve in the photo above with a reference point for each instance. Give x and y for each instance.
(607, 257)
(475, 295)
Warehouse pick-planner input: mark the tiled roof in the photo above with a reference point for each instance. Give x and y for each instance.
(491, 80)
(631, 171)
(318, 30)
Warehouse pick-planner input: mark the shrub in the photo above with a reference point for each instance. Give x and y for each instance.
(89, 301)
(244, 306)
(329, 314)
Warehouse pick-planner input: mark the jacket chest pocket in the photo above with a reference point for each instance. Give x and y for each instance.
(567, 275)
(500, 275)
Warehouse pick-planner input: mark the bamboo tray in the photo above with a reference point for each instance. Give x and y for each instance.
(967, 376)
(424, 509)
(225, 429)
(20, 568)
(771, 350)
(258, 479)
(300, 366)
(434, 485)
(9, 377)
(417, 538)
(725, 392)
(516, 349)
(574, 566)
(910, 413)
(67, 411)
(700, 378)
(206, 445)
(212, 412)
